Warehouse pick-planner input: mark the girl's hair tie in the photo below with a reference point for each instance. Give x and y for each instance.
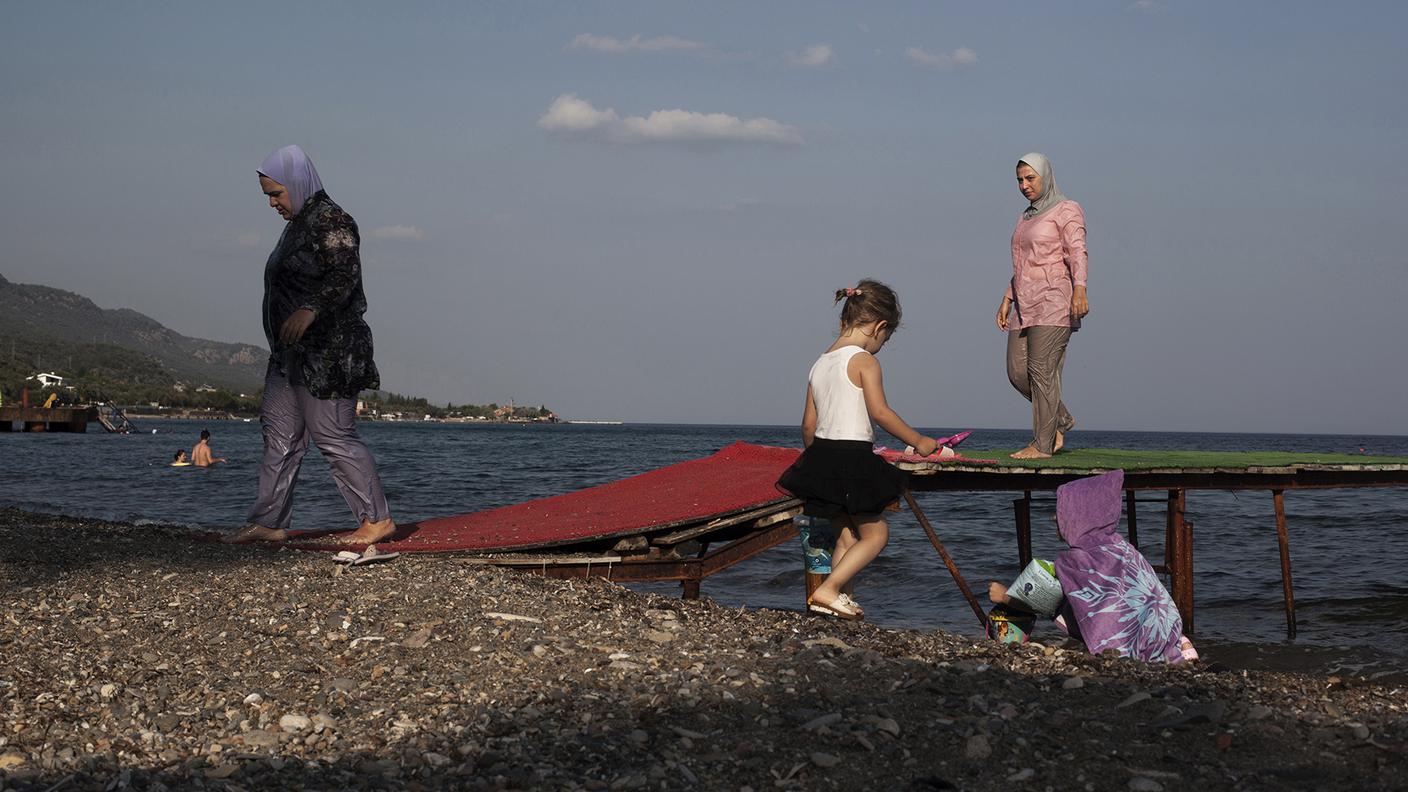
(852, 291)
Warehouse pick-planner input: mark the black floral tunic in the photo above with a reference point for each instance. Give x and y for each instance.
(316, 265)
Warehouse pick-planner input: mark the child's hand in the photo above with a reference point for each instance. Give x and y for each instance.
(997, 593)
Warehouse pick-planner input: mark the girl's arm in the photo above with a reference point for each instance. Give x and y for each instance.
(809, 420)
(866, 368)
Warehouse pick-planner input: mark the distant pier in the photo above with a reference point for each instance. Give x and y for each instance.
(51, 419)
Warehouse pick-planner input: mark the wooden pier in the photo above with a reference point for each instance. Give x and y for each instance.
(1172, 474)
(50, 419)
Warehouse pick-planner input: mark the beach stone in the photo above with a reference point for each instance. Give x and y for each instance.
(1073, 683)
(1258, 712)
(295, 723)
(259, 738)
(253, 699)
(817, 724)
(434, 759)
(1025, 774)
(343, 684)
(107, 691)
(825, 760)
(659, 636)
(1202, 712)
(1135, 698)
(889, 726)
(12, 759)
(1143, 784)
(1360, 731)
(977, 747)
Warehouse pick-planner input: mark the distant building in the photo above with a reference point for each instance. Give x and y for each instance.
(49, 380)
(205, 389)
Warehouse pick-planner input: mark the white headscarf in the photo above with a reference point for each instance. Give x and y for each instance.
(1050, 193)
(290, 167)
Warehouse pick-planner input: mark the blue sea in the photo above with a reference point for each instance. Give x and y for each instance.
(1349, 548)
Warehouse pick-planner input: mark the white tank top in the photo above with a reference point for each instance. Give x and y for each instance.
(840, 405)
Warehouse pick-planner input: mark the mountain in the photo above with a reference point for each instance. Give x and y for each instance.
(34, 316)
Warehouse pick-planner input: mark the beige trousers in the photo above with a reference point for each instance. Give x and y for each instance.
(1035, 356)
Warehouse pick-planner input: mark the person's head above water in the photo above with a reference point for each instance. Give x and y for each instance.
(869, 302)
(180, 455)
(205, 434)
(289, 179)
(1037, 183)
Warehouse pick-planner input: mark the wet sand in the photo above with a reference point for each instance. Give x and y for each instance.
(136, 657)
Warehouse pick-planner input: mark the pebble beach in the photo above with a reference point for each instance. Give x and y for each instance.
(139, 657)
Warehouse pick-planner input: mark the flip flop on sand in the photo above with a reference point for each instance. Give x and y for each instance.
(841, 608)
(369, 556)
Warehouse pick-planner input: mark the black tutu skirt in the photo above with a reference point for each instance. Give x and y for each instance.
(843, 477)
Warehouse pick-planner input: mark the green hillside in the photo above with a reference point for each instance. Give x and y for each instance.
(47, 329)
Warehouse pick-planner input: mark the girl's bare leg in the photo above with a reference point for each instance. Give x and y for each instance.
(845, 539)
(874, 535)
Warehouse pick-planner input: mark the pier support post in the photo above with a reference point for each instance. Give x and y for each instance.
(1130, 519)
(1179, 553)
(1022, 510)
(1278, 497)
(948, 560)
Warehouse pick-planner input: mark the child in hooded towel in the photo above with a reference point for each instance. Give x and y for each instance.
(1112, 598)
(1117, 600)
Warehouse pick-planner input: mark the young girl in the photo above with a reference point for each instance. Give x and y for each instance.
(838, 475)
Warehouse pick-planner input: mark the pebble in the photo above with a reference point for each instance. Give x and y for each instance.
(1258, 712)
(825, 760)
(12, 759)
(1025, 774)
(889, 726)
(253, 699)
(295, 723)
(1073, 683)
(1134, 699)
(977, 747)
(1143, 784)
(1360, 731)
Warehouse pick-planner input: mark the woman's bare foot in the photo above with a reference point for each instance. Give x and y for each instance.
(256, 533)
(1029, 452)
(370, 533)
(1060, 442)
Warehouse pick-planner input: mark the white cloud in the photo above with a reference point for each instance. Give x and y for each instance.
(948, 61)
(611, 45)
(249, 239)
(573, 116)
(815, 56)
(1146, 6)
(396, 232)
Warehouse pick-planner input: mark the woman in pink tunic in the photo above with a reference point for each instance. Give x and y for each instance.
(1045, 301)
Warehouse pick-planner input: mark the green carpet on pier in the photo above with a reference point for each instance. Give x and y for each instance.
(1110, 458)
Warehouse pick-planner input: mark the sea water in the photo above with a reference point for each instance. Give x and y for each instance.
(1349, 548)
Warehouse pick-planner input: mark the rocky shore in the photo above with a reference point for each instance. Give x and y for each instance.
(135, 657)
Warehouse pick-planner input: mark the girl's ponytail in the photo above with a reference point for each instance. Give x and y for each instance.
(869, 301)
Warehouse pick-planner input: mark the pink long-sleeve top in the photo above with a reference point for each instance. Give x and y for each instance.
(1048, 262)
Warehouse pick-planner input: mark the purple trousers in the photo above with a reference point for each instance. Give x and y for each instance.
(290, 416)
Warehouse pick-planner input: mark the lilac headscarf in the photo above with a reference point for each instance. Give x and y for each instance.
(1119, 602)
(290, 167)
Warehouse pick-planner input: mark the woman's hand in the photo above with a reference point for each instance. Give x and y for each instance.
(998, 593)
(1004, 309)
(296, 325)
(1079, 305)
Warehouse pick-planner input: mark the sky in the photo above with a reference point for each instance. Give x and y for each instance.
(639, 211)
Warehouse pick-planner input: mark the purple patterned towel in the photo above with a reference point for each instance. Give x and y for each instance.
(1119, 602)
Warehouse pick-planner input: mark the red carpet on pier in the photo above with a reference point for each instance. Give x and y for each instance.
(739, 477)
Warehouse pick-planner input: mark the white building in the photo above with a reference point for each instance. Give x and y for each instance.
(49, 380)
